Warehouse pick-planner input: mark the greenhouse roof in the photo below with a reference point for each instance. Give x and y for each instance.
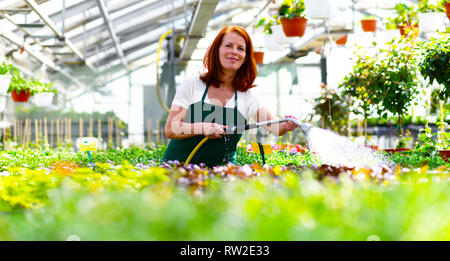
(86, 40)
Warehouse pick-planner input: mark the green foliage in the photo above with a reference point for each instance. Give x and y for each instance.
(20, 83)
(434, 63)
(406, 14)
(291, 9)
(424, 6)
(277, 158)
(290, 206)
(418, 159)
(386, 82)
(267, 22)
(333, 110)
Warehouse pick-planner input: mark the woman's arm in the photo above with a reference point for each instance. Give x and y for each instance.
(176, 128)
(263, 114)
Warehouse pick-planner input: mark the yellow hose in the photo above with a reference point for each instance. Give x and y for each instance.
(161, 40)
(195, 151)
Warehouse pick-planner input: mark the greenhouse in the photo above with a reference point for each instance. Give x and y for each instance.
(224, 120)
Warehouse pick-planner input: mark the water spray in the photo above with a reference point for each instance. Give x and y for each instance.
(331, 148)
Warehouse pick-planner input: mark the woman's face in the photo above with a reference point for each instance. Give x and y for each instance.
(232, 51)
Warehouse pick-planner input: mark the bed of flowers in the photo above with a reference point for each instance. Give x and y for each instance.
(128, 194)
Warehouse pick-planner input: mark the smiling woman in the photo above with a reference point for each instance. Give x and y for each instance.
(199, 111)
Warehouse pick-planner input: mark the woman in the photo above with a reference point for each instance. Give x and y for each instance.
(205, 105)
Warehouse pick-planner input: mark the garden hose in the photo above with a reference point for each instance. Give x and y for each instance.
(305, 127)
(161, 39)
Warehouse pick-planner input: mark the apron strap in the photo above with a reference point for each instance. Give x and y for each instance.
(204, 94)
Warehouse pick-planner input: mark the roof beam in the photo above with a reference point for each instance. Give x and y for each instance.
(203, 13)
(112, 32)
(52, 26)
(38, 56)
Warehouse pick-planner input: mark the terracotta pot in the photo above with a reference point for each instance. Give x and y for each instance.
(22, 96)
(402, 28)
(294, 27)
(259, 57)
(369, 25)
(342, 40)
(447, 9)
(445, 154)
(393, 151)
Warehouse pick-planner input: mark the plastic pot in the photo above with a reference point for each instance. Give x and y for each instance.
(5, 80)
(431, 22)
(369, 25)
(317, 9)
(294, 27)
(43, 99)
(279, 36)
(445, 154)
(22, 96)
(342, 40)
(259, 57)
(447, 9)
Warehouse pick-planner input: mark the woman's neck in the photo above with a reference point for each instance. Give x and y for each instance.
(227, 79)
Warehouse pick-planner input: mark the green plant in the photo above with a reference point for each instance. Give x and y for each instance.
(369, 17)
(434, 63)
(397, 85)
(424, 6)
(19, 83)
(358, 86)
(291, 9)
(267, 22)
(333, 110)
(405, 15)
(7, 69)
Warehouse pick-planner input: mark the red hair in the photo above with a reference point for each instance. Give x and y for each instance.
(246, 74)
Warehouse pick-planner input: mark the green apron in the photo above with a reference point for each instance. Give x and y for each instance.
(214, 151)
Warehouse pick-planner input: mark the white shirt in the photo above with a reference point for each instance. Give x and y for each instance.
(192, 88)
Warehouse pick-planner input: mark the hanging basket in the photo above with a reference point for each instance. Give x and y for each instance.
(403, 27)
(294, 27)
(279, 36)
(317, 9)
(22, 96)
(369, 25)
(447, 9)
(5, 80)
(259, 57)
(271, 43)
(342, 41)
(43, 99)
(431, 22)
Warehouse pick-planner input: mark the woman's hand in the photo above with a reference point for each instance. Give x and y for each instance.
(288, 125)
(213, 130)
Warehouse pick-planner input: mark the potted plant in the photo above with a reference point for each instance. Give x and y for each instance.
(45, 95)
(431, 17)
(369, 24)
(397, 84)
(274, 37)
(446, 4)
(292, 17)
(342, 40)
(333, 110)
(357, 86)
(406, 19)
(21, 89)
(434, 66)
